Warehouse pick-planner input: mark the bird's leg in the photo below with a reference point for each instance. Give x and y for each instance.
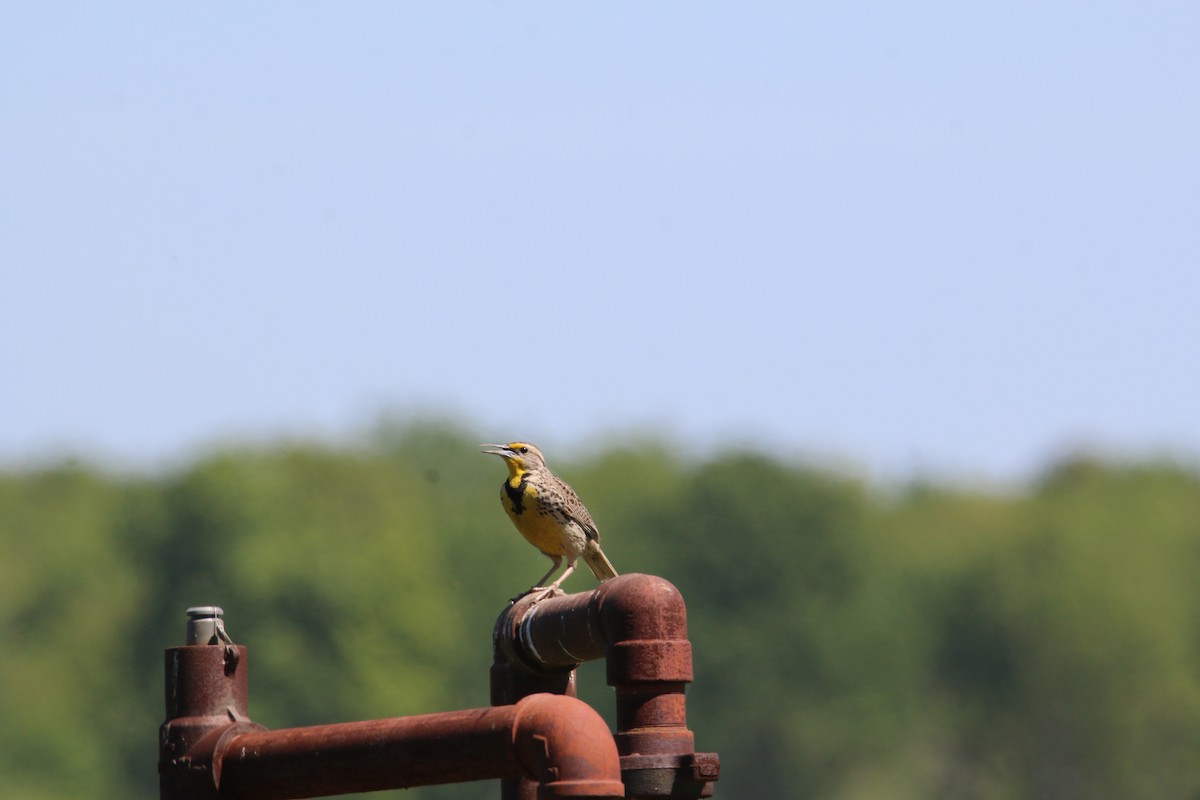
(542, 580)
(566, 574)
(546, 591)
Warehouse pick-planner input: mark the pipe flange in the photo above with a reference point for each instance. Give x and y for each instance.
(681, 775)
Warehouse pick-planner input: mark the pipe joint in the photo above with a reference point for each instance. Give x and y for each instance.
(684, 775)
(649, 661)
(565, 745)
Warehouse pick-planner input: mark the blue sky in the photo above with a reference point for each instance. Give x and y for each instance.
(918, 238)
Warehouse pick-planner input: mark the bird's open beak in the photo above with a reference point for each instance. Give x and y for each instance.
(499, 450)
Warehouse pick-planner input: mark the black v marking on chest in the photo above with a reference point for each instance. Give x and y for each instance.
(516, 495)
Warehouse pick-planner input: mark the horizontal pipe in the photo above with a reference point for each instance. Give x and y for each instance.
(559, 741)
(638, 622)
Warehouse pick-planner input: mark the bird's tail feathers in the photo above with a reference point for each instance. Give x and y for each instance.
(598, 563)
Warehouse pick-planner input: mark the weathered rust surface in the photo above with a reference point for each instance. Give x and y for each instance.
(537, 738)
(638, 624)
(206, 697)
(560, 742)
(209, 748)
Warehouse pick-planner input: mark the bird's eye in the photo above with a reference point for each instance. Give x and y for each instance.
(522, 450)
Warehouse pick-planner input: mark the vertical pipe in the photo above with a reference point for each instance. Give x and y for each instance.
(509, 684)
(206, 694)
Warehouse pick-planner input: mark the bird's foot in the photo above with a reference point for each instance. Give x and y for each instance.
(542, 593)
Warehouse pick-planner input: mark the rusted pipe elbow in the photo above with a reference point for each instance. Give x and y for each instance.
(567, 747)
(643, 607)
(645, 623)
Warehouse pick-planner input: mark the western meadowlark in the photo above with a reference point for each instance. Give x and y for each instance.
(549, 514)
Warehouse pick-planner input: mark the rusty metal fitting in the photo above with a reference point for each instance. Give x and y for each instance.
(639, 607)
(650, 662)
(206, 699)
(207, 696)
(554, 736)
(683, 775)
(639, 624)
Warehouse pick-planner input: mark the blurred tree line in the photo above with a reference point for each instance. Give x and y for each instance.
(850, 641)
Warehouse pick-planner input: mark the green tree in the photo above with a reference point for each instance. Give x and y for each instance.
(850, 641)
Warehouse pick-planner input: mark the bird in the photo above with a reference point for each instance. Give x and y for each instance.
(548, 513)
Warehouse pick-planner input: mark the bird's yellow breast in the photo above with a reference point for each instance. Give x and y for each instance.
(542, 530)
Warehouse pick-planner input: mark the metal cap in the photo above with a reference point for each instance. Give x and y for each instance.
(205, 625)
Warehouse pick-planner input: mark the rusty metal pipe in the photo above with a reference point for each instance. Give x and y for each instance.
(210, 750)
(638, 623)
(206, 697)
(558, 741)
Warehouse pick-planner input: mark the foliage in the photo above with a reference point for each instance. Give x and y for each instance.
(849, 642)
